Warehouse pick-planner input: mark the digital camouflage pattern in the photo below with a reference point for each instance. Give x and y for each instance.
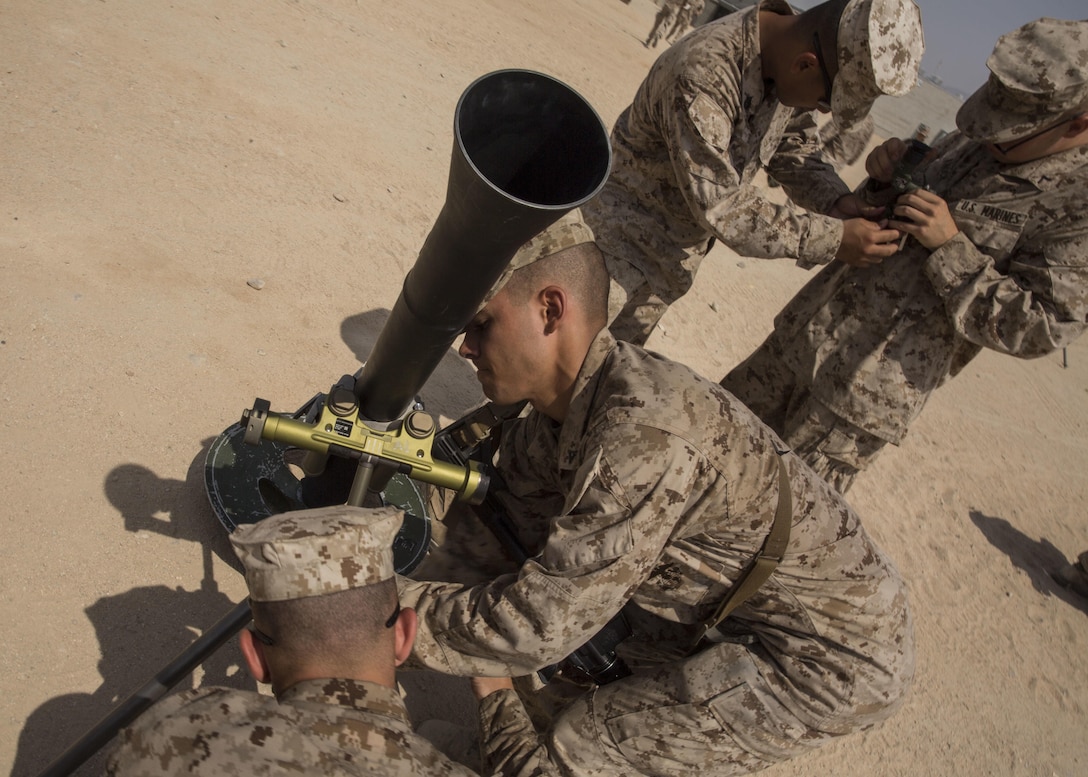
(879, 52)
(686, 153)
(845, 147)
(654, 493)
(323, 727)
(666, 16)
(872, 344)
(1038, 76)
(569, 231)
(684, 19)
(854, 356)
(703, 109)
(313, 552)
(318, 727)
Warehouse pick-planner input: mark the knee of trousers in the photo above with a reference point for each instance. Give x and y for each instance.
(713, 712)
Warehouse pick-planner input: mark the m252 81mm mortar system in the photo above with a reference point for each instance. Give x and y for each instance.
(527, 149)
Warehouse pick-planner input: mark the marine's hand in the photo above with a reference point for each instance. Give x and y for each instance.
(865, 243)
(881, 162)
(851, 206)
(485, 686)
(930, 222)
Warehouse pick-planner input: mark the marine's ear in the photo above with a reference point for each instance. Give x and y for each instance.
(253, 652)
(404, 634)
(804, 61)
(555, 301)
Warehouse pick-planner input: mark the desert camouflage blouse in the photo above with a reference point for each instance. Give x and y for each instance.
(657, 489)
(685, 156)
(876, 341)
(322, 727)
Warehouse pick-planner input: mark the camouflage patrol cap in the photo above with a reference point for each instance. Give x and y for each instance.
(880, 49)
(1038, 76)
(567, 232)
(307, 553)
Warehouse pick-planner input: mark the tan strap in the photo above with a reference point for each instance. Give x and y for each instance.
(762, 565)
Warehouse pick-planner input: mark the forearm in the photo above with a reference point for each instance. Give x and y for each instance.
(511, 626)
(510, 743)
(806, 176)
(1028, 314)
(475, 631)
(738, 213)
(752, 225)
(812, 190)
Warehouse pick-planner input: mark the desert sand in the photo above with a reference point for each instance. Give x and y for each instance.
(156, 157)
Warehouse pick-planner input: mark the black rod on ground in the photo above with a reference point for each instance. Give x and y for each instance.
(132, 707)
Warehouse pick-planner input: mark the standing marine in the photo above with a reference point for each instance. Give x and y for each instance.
(732, 98)
(996, 256)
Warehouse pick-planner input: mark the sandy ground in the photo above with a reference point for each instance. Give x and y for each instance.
(155, 157)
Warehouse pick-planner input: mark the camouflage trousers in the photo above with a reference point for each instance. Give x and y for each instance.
(712, 711)
(835, 448)
(633, 309)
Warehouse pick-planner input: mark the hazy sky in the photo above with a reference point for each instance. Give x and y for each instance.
(960, 34)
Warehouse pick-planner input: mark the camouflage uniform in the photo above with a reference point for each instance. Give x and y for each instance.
(666, 14)
(315, 727)
(845, 147)
(687, 150)
(686, 15)
(653, 495)
(856, 353)
(319, 726)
